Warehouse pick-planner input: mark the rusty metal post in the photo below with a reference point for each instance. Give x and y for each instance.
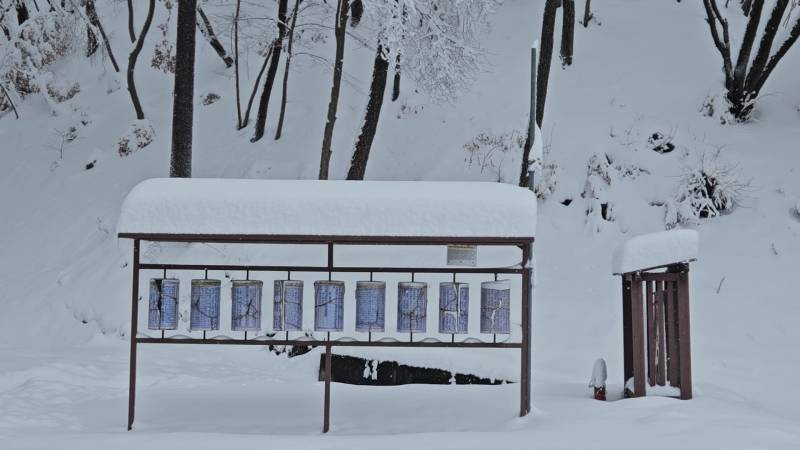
(683, 335)
(637, 335)
(134, 328)
(525, 360)
(326, 426)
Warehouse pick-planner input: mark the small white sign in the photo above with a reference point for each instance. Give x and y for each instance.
(462, 255)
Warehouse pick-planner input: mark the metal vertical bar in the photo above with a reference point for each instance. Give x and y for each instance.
(134, 328)
(637, 335)
(327, 412)
(683, 335)
(525, 362)
(651, 335)
(660, 341)
(627, 338)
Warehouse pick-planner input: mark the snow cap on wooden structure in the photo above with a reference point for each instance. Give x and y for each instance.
(328, 208)
(649, 251)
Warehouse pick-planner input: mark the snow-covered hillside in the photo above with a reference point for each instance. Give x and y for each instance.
(641, 69)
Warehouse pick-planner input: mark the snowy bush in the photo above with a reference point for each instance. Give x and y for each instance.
(595, 191)
(138, 136)
(705, 190)
(164, 57)
(490, 152)
(39, 42)
(61, 91)
(439, 41)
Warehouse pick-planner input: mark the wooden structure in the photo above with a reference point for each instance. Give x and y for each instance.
(655, 316)
(157, 208)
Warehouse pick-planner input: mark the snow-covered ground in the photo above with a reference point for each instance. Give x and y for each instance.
(648, 68)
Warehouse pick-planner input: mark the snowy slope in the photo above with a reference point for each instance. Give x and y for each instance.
(63, 355)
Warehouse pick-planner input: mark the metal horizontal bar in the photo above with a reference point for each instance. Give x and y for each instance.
(322, 343)
(342, 240)
(460, 270)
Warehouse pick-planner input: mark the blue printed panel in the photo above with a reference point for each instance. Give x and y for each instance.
(453, 307)
(204, 314)
(163, 312)
(287, 311)
(370, 306)
(246, 305)
(412, 307)
(328, 305)
(496, 307)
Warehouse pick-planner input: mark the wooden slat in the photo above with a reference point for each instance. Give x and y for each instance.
(637, 325)
(673, 358)
(651, 335)
(627, 331)
(683, 337)
(660, 342)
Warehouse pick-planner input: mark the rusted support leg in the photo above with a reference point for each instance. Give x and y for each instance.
(326, 426)
(637, 336)
(683, 336)
(627, 335)
(134, 328)
(525, 359)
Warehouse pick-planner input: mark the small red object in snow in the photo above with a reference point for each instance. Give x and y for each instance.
(600, 393)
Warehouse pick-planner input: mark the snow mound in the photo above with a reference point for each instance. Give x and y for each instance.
(328, 208)
(655, 250)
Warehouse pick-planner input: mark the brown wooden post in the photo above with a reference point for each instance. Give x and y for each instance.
(672, 334)
(660, 341)
(327, 414)
(525, 357)
(627, 334)
(683, 335)
(651, 335)
(637, 335)
(134, 328)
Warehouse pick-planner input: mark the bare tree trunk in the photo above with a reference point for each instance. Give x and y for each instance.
(208, 32)
(277, 45)
(254, 91)
(91, 42)
(776, 58)
(91, 13)
(545, 56)
(134, 56)
(740, 69)
(131, 32)
(286, 71)
(567, 31)
(587, 13)
(396, 82)
(183, 97)
(380, 72)
(743, 83)
(22, 12)
(236, 63)
(327, 139)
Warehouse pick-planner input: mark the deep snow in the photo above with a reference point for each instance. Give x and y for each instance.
(647, 68)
